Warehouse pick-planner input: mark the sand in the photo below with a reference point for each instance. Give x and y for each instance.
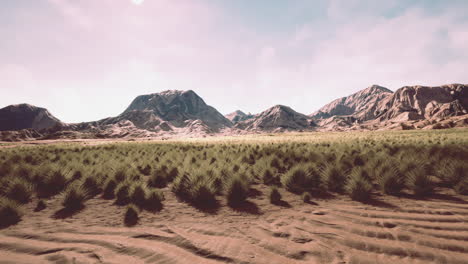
(327, 230)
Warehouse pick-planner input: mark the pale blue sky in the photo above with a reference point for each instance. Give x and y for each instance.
(87, 59)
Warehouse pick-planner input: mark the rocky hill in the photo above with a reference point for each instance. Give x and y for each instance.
(424, 102)
(183, 113)
(25, 116)
(361, 105)
(408, 107)
(278, 117)
(168, 112)
(238, 116)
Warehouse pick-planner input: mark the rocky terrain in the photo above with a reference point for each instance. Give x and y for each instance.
(407, 108)
(183, 113)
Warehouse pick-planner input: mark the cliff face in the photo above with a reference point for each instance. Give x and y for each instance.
(25, 116)
(423, 102)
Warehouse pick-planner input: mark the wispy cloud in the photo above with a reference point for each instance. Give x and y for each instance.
(300, 53)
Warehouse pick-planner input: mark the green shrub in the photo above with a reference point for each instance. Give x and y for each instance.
(332, 177)
(131, 215)
(267, 176)
(203, 195)
(74, 197)
(462, 187)
(52, 183)
(138, 195)
(237, 191)
(19, 190)
(452, 172)
(419, 181)
(158, 179)
(275, 195)
(10, 212)
(109, 189)
(389, 179)
(122, 193)
(358, 186)
(295, 179)
(92, 185)
(154, 200)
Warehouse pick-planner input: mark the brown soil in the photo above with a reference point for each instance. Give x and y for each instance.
(328, 230)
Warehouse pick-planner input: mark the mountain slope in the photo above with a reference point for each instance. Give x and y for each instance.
(277, 117)
(25, 116)
(424, 102)
(171, 110)
(360, 105)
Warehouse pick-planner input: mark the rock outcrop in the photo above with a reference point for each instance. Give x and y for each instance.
(25, 116)
(278, 117)
(424, 102)
(378, 108)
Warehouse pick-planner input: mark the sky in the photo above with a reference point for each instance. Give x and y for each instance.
(85, 60)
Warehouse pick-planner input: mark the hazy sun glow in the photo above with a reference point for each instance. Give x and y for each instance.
(138, 2)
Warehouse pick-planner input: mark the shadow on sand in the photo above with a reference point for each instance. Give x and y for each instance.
(246, 207)
(67, 212)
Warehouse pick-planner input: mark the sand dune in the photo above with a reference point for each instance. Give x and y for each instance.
(337, 230)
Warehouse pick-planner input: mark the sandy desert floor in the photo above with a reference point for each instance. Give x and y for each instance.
(327, 230)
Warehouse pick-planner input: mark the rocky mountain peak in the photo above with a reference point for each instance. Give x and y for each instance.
(175, 107)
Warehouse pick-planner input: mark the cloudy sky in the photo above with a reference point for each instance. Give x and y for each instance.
(87, 59)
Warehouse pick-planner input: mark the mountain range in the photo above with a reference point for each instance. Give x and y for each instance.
(174, 113)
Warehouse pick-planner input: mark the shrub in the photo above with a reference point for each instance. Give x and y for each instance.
(10, 212)
(332, 177)
(74, 197)
(158, 179)
(295, 179)
(138, 195)
(306, 197)
(267, 176)
(131, 215)
(91, 185)
(203, 195)
(358, 186)
(145, 170)
(121, 174)
(452, 172)
(52, 183)
(181, 186)
(154, 200)
(389, 179)
(109, 189)
(462, 187)
(122, 193)
(19, 190)
(237, 191)
(275, 195)
(419, 182)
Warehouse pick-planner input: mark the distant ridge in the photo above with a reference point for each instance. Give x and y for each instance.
(173, 113)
